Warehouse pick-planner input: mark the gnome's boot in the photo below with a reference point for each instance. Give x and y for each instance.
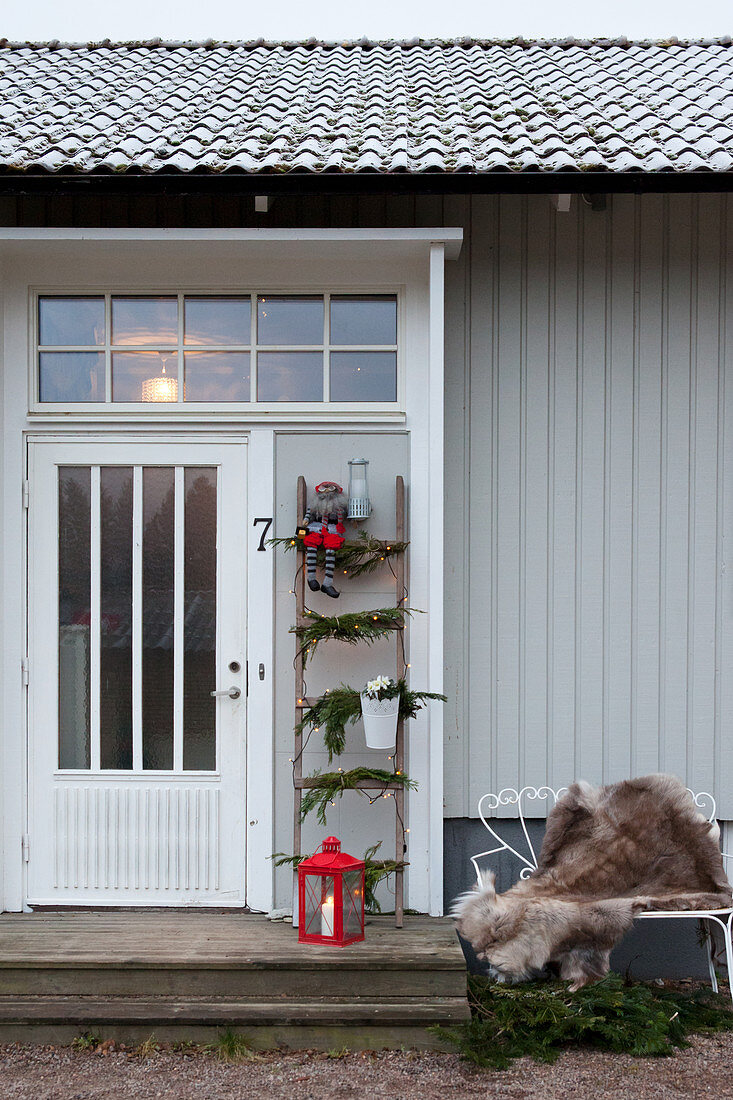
(330, 591)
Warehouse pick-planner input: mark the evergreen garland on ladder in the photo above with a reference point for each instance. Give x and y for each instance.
(352, 628)
(374, 871)
(330, 784)
(331, 713)
(357, 556)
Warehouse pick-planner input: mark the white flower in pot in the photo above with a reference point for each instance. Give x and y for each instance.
(380, 707)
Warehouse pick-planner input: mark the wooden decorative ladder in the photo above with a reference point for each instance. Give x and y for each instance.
(302, 703)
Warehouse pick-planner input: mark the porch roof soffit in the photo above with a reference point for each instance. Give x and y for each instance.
(364, 243)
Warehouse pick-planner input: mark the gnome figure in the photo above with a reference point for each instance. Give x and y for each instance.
(324, 524)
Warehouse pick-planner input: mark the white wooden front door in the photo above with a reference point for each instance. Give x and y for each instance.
(137, 586)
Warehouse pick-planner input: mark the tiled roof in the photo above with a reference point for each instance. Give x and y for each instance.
(419, 106)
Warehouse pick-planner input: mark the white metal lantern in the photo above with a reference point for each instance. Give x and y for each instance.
(359, 503)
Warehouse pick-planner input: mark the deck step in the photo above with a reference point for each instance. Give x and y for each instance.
(89, 1011)
(190, 975)
(235, 982)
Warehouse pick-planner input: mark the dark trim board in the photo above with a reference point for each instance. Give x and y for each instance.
(375, 183)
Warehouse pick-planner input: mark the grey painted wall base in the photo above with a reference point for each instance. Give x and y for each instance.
(668, 949)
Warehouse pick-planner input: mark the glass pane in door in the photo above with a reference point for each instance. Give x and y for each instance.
(137, 599)
(158, 610)
(115, 633)
(199, 634)
(74, 582)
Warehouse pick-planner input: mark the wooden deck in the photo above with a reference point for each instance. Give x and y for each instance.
(191, 974)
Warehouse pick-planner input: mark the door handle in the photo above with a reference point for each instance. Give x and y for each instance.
(232, 692)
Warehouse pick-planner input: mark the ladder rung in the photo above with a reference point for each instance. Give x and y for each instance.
(308, 701)
(366, 785)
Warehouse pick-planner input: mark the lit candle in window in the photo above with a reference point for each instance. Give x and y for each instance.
(161, 388)
(327, 917)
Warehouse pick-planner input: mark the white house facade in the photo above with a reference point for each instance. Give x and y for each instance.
(503, 276)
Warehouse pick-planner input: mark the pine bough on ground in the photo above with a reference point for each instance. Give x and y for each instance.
(543, 1019)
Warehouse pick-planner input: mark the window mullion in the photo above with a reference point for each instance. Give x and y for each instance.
(95, 619)
(180, 359)
(253, 347)
(137, 619)
(108, 348)
(178, 616)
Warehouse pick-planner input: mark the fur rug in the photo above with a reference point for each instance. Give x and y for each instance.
(608, 853)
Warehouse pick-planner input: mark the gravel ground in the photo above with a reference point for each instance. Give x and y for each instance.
(60, 1073)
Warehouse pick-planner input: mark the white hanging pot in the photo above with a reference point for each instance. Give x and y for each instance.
(380, 721)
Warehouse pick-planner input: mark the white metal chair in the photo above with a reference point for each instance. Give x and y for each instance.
(705, 802)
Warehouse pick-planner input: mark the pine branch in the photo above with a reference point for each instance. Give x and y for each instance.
(541, 1020)
(352, 628)
(331, 713)
(332, 784)
(366, 554)
(375, 870)
(342, 705)
(356, 557)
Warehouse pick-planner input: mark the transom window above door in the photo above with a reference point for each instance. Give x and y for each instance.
(177, 349)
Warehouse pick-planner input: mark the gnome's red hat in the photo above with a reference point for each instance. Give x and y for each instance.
(327, 484)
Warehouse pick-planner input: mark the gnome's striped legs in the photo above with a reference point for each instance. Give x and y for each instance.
(329, 534)
(332, 541)
(327, 585)
(311, 554)
(312, 541)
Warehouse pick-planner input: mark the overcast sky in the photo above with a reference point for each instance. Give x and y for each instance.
(81, 20)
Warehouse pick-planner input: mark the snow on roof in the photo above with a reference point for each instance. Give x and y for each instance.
(354, 107)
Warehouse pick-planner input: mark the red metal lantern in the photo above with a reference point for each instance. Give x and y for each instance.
(331, 896)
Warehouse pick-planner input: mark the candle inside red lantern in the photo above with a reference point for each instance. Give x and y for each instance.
(331, 896)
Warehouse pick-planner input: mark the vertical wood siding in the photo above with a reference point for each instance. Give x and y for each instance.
(598, 485)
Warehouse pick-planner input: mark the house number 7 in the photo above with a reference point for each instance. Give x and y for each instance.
(267, 520)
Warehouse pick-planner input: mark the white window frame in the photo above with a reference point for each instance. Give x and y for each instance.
(252, 409)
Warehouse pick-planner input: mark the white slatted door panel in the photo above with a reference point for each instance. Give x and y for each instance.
(153, 841)
(162, 821)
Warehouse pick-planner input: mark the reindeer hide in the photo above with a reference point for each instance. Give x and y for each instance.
(608, 854)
